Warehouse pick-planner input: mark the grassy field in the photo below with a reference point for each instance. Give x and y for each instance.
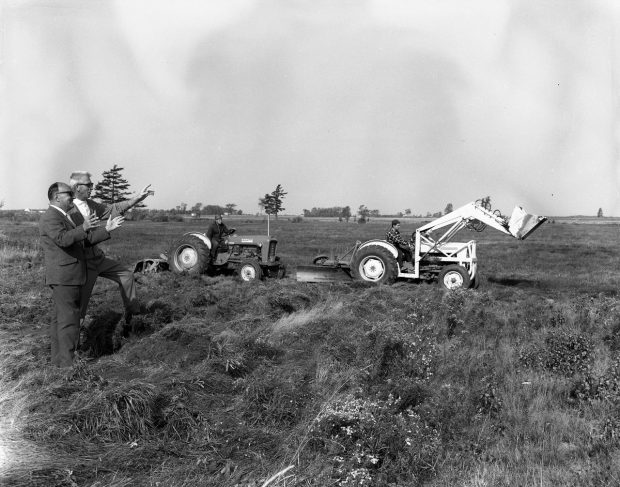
(280, 383)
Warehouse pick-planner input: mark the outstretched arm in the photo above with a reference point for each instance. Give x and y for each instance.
(115, 209)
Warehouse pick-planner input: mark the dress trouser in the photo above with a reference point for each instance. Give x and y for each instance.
(65, 326)
(115, 271)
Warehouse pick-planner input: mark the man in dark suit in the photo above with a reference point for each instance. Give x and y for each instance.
(97, 262)
(65, 266)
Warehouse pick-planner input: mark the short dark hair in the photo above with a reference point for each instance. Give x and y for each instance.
(52, 191)
(395, 222)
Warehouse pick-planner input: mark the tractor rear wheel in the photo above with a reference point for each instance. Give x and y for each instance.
(374, 264)
(249, 270)
(453, 277)
(189, 254)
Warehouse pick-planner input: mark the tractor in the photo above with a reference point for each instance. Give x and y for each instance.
(251, 257)
(435, 257)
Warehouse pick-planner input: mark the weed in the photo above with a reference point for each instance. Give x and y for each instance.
(564, 353)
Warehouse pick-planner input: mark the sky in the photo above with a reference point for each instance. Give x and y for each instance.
(391, 104)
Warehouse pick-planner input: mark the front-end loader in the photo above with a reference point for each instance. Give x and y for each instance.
(435, 256)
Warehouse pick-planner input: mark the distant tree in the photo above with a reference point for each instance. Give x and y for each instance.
(363, 213)
(333, 211)
(277, 195)
(182, 208)
(408, 211)
(196, 208)
(599, 213)
(213, 210)
(113, 187)
(266, 203)
(1, 203)
(449, 209)
(230, 208)
(346, 213)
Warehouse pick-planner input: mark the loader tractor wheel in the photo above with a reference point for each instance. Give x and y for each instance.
(190, 254)
(453, 277)
(374, 264)
(250, 271)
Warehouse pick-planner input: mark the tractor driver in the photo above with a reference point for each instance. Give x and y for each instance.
(216, 232)
(394, 237)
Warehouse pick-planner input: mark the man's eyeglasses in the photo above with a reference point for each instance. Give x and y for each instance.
(90, 185)
(65, 192)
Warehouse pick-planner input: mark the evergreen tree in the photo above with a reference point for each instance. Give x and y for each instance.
(449, 209)
(600, 212)
(277, 195)
(113, 188)
(267, 203)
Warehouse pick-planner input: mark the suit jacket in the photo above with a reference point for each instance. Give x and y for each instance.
(103, 211)
(63, 247)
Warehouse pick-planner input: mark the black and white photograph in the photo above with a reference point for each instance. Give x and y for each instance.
(294, 243)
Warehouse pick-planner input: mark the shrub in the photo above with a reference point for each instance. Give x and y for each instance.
(370, 442)
(606, 387)
(563, 353)
(403, 350)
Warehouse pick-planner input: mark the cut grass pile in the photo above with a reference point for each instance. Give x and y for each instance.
(223, 383)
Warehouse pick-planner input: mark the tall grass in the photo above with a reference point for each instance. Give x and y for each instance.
(227, 384)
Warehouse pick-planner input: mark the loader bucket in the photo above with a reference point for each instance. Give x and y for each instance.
(522, 224)
(318, 273)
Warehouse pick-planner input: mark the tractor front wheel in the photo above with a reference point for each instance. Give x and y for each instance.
(189, 254)
(374, 264)
(453, 277)
(250, 271)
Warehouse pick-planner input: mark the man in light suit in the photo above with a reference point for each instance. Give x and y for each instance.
(97, 263)
(63, 243)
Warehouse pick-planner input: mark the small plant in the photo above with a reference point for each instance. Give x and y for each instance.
(607, 387)
(371, 442)
(402, 349)
(563, 353)
(489, 400)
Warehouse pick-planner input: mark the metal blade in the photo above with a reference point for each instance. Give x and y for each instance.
(317, 273)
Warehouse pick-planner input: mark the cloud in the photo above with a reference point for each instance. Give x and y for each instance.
(389, 103)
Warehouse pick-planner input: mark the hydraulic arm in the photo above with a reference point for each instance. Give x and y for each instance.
(519, 225)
